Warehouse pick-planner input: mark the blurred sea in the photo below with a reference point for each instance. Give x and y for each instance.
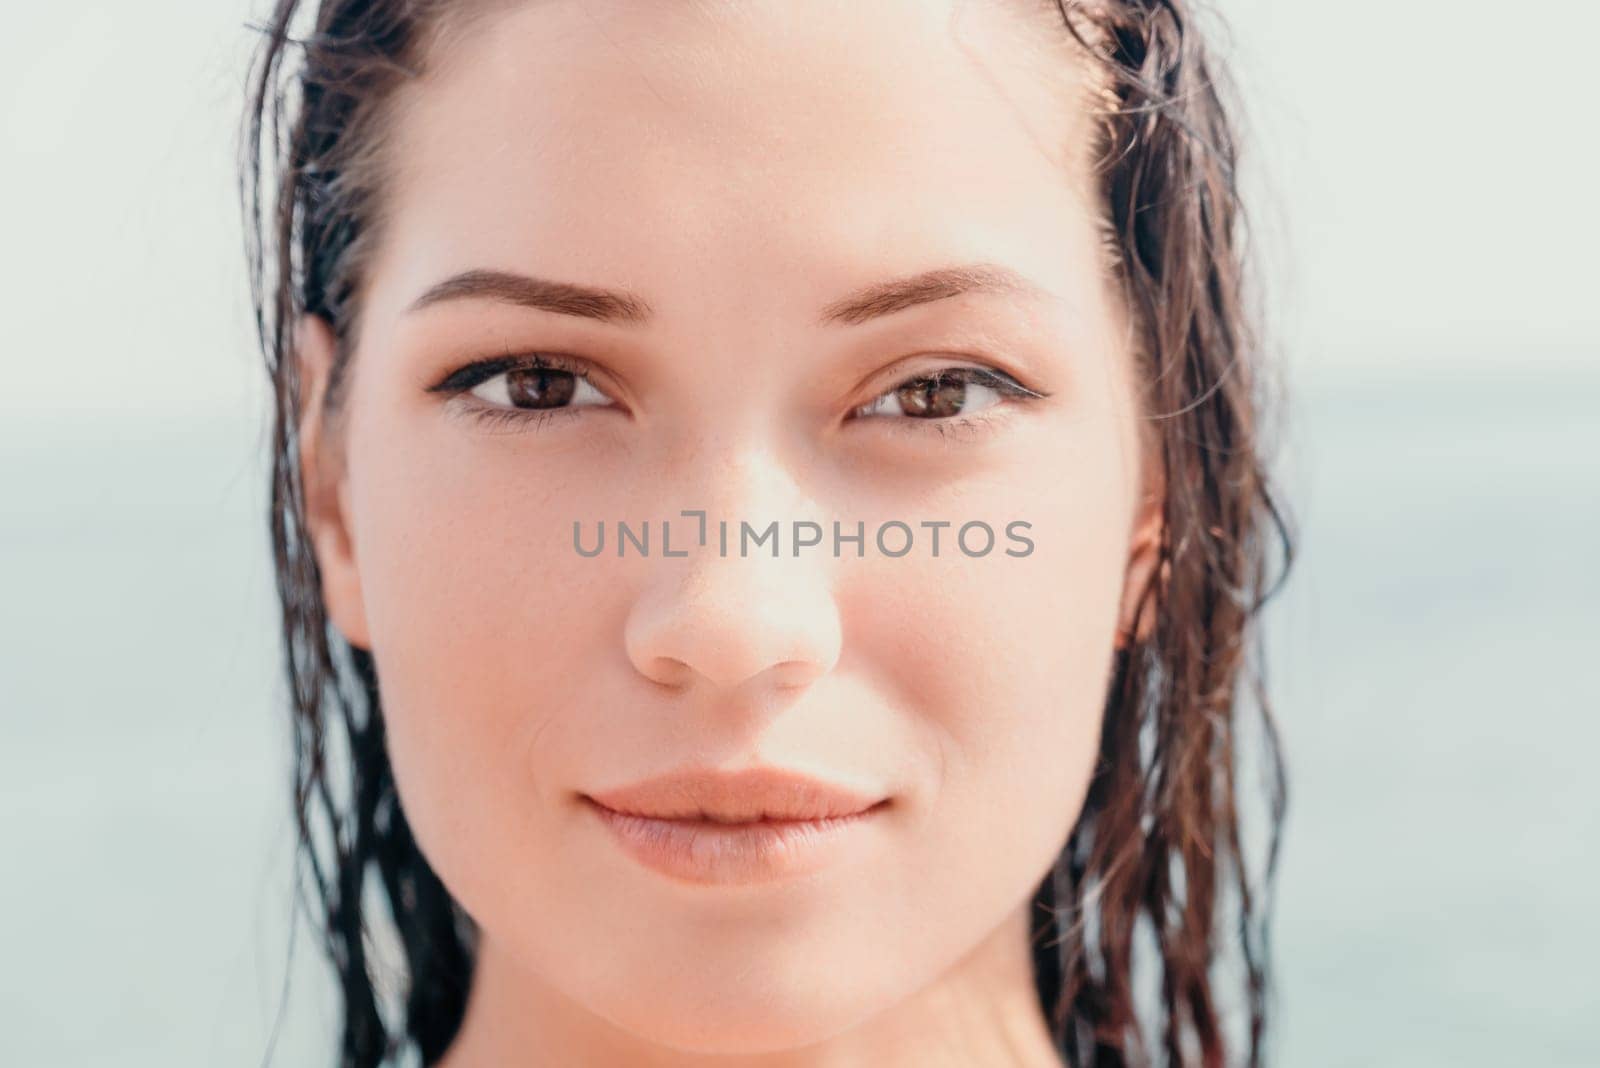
(1432, 663)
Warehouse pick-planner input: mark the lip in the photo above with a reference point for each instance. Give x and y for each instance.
(720, 828)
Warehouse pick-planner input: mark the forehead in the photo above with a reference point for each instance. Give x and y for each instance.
(746, 137)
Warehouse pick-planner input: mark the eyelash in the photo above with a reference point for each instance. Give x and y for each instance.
(470, 376)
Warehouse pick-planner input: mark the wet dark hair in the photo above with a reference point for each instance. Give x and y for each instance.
(1156, 852)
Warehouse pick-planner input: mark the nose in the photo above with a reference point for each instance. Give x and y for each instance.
(727, 622)
(722, 620)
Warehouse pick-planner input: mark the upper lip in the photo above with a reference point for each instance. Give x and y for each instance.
(741, 796)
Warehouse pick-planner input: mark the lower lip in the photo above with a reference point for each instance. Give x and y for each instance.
(709, 853)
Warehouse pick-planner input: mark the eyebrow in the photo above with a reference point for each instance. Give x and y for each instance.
(621, 307)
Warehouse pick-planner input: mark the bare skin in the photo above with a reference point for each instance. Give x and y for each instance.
(738, 170)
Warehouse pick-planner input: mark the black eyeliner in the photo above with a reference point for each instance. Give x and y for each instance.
(999, 380)
(473, 374)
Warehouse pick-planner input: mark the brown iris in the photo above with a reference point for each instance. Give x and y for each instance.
(540, 387)
(936, 396)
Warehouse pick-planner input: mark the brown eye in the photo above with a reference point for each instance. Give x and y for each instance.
(538, 388)
(933, 397)
(939, 395)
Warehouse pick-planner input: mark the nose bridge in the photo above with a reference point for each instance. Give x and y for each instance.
(748, 599)
(742, 472)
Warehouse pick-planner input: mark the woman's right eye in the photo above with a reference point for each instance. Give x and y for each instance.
(523, 388)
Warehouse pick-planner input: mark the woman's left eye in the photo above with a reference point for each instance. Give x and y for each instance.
(946, 394)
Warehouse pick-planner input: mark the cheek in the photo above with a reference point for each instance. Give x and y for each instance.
(482, 627)
(1003, 663)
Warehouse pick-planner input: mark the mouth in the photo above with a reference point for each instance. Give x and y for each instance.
(719, 852)
(707, 827)
(751, 795)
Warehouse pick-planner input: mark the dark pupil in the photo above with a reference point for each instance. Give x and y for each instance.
(934, 397)
(540, 387)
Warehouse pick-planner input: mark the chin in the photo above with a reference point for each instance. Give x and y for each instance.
(744, 1011)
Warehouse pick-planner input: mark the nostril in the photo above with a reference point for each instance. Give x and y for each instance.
(795, 674)
(670, 672)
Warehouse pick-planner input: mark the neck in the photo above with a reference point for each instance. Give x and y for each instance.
(983, 1010)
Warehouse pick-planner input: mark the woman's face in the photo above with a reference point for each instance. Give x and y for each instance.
(744, 175)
